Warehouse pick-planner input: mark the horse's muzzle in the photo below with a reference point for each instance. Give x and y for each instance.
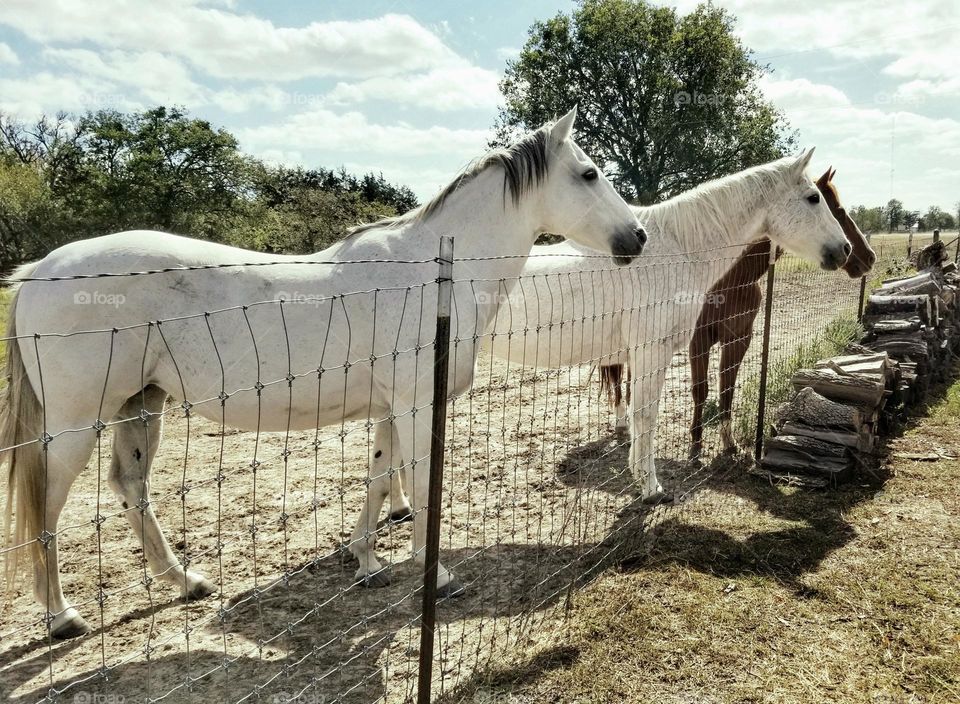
(627, 245)
(834, 257)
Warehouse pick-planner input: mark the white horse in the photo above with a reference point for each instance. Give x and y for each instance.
(569, 308)
(230, 349)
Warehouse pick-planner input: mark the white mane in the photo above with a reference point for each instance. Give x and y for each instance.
(717, 208)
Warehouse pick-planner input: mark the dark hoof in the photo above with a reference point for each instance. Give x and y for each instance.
(346, 555)
(71, 629)
(376, 580)
(451, 590)
(201, 590)
(657, 498)
(402, 516)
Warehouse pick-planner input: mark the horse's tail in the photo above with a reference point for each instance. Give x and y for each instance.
(612, 378)
(21, 423)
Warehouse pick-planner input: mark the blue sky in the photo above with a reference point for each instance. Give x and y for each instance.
(410, 88)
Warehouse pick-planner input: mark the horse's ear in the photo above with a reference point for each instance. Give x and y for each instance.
(824, 180)
(563, 128)
(833, 172)
(800, 165)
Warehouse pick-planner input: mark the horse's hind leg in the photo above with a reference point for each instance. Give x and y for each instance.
(135, 443)
(66, 457)
(700, 388)
(731, 357)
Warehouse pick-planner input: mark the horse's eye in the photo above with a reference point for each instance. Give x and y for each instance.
(813, 198)
(590, 175)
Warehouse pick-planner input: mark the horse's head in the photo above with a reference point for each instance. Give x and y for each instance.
(862, 257)
(799, 220)
(581, 204)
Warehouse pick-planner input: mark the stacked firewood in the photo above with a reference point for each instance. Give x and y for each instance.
(832, 419)
(916, 320)
(912, 329)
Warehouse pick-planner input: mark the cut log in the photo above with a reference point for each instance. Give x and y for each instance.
(874, 365)
(880, 305)
(900, 325)
(852, 440)
(796, 453)
(924, 283)
(809, 408)
(840, 387)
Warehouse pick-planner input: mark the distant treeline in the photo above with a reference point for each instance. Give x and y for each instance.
(894, 217)
(64, 179)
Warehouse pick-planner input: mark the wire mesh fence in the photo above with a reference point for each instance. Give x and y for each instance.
(549, 475)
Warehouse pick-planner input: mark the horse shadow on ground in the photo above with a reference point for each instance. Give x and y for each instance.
(317, 633)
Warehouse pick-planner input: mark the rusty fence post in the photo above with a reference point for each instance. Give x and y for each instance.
(441, 370)
(764, 357)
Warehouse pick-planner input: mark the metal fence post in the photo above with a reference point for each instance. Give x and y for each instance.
(441, 358)
(765, 356)
(863, 291)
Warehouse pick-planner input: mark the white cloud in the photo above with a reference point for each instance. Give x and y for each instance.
(857, 139)
(453, 88)
(158, 78)
(46, 93)
(351, 132)
(8, 55)
(917, 43)
(226, 44)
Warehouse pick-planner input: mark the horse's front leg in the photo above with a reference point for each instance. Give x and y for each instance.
(649, 368)
(416, 438)
(383, 470)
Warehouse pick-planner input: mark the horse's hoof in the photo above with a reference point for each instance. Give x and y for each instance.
(658, 497)
(375, 580)
(202, 589)
(401, 516)
(451, 590)
(72, 626)
(695, 460)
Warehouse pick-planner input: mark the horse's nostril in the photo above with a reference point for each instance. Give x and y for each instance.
(847, 249)
(641, 235)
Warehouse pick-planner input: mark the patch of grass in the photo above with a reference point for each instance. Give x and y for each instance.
(754, 593)
(837, 334)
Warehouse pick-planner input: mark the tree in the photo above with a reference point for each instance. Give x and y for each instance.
(869, 219)
(665, 101)
(894, 213)
(936, 218)
(63, 179)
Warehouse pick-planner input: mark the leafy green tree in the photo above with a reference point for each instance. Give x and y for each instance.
(666, 101)
(869, 219)
(63, 179)
(894, 214)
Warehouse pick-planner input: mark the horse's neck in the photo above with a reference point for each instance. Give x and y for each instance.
(751, 265)
(702, 224)
(492, 236)
(485, 224)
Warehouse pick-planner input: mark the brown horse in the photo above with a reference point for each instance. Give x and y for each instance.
(727, 318)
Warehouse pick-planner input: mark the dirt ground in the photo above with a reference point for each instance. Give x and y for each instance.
(536, 502)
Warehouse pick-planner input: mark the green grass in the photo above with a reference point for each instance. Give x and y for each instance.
(837, 334)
